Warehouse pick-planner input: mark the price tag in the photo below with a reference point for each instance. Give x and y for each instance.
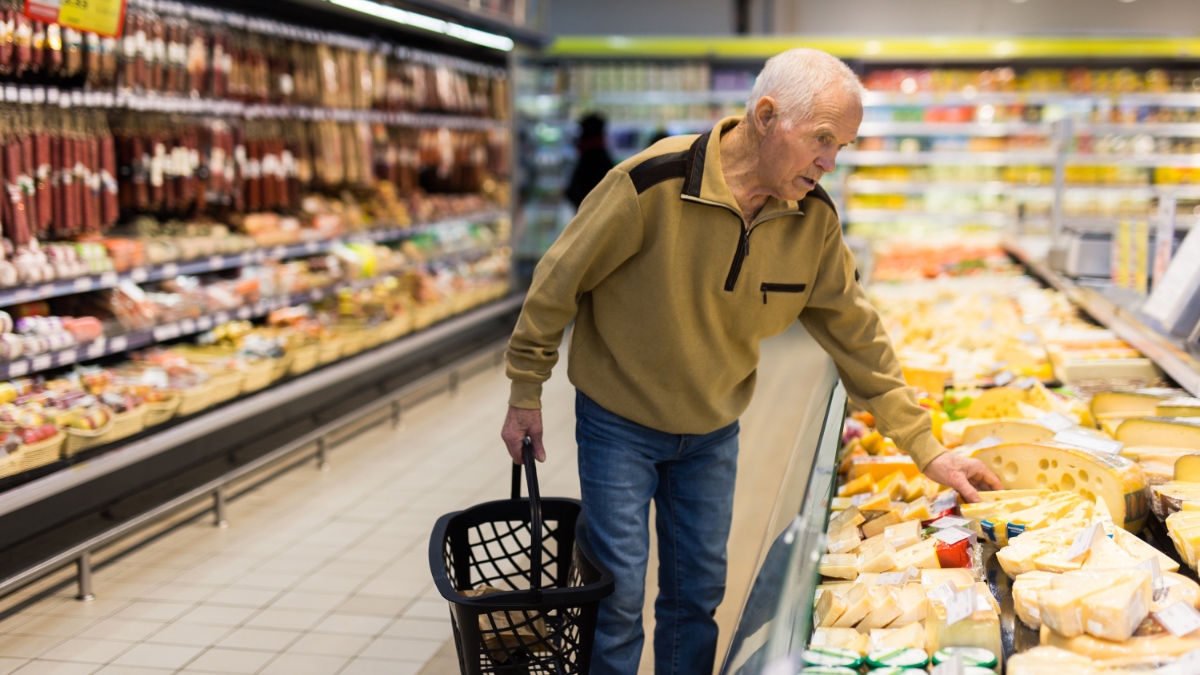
(216, 262)
(167, 332)
(42, 362)
(243, 313)
(170, 270)
(83, 284)
(952, 535)
(25, 95)
(1180, 618)
(1055, 422)
(39, 95)
(10, 94)
(949, 521)
(204, 323)
(279, 252)
(891, 579)
(312, 247)
(118, 344)
(944, 592)
(1084, 541)
(246, 258)
(18, 368)
(1028, 337)
(952, 666)
(52, 95)
(24, 295)
(98, 16)
(139, 274)
(108, 279)
(1025, 383)
(66, 357)
(221, 317)
(96, 349)
(187, 327)
(961, 605)
(1090, 443)
(1003, 378)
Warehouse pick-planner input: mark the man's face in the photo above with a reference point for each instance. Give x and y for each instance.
(795, 155)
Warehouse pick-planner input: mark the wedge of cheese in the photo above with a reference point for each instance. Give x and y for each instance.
(1140, 550)
(1183, 527)
(1004, 495)
(1170, 496)
(1128, 403)
(932, 578)
(879, 466)
(1176, 588)
(838, 565)
(1161, 646)
(875, 502)
(918, 510)
(846, 518)
(877, 559)
(1117, 611)
(904, 534)
(1115, 479)
(921, 555)
(858, 605)
(844, 540)
(1168, 431)
(830, 607)
(856, 486)
(876, 526)
(980, 629)
(1178, 407)
(1061, 605)
(912, 602)
(841, 638)
(911, 636)
(1107, 555)
(1040, 516)
(1025, 590)
(840, 503)
(1157, 462)
(894, 485)
(1050, 661)
(1187, 468)
(885, 608)
(1010, 430)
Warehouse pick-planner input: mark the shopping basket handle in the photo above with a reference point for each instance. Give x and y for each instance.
(535, 511)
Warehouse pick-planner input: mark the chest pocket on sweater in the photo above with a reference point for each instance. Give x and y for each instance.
(769, 289)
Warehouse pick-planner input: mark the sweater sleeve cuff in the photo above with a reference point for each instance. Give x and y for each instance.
(525, 395)
(924, 449)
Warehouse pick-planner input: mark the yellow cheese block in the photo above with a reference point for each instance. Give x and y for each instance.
(981, 629)
(1156, 461)
(1025, 590)
(1129, 404)
(838, 565)
(857, 486)
(1050, 661)
(885, 608)
(876, 526)
(1140, 550)
(844, 540)
(1107, 555)
(1009, 431)
(840, 503)
(930, 380)
(917, 511)
(1179, 589)
(931, 578)
(913, 603)
(1161, 646)
(878, 467)
(1175, 433)
(894, 485)
(830, 607)
(922, 555)
(849, 517)
(980, 511)
(841, 638)
(876, 502)
(1040, 516)
(858, 604)
(879, 559)
(1178, 407)
(998, 403)
(909, 636)
(1192, 505)
(1115, 479)
(1004, 495)
(1116, 612)
(903, 534)
(1186, 468)
(1061, 605)
(1170, 496)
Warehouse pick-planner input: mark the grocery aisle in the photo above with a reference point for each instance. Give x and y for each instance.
(326, 573)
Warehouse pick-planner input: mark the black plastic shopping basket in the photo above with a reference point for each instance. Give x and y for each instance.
(519, 608)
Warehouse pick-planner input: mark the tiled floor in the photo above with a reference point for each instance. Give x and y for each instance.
(320, 573)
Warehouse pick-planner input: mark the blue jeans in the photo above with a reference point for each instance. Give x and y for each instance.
(622, 466)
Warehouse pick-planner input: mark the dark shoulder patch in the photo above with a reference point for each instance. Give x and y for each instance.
(658, 169)
(820, 193)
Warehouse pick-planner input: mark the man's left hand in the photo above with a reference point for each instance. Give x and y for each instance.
(964, 474)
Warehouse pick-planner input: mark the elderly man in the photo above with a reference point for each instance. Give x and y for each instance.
(678, 264)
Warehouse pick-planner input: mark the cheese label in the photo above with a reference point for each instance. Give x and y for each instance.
(1090, 443)
(1055, 422)
(952, 535)
(1180, 618)
(961, 605)
(946, 501)
(949, 521)
(892, 579)
(944, 592)
(1004, 378)
(1026, 383)
(951, 666)
(1084, 541)
(1156, 579)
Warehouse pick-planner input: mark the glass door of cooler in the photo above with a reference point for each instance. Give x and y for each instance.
(776, 619)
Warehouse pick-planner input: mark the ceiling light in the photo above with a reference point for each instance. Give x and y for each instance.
(407, 18)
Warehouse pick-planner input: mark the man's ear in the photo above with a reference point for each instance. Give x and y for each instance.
(766, 112)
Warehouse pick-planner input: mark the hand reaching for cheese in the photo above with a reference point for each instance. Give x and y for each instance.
(519, 425)
(964, 474)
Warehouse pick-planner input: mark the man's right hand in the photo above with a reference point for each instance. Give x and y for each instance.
(519, 425)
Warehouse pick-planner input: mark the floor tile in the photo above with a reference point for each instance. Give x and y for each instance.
(419, 629)
(154, 611)
(8, 665)
(422, 609)
(242, 597)
(174, 592)
(309, 600)
(130, 670)
(57, 668)
(222, 660)
(268, 580)
(372, 604)
(98, 608)
(317, 582)
(361, 666)
(326, 644)
(288, 619)
(304, 664)
(352, 624)
(54, 626)
(86, 650)
(124, 630)
(157, 656)
(189, 635)
(218, 615)
(397, 649)
(263, 639)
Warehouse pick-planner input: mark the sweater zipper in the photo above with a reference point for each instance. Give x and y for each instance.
(743, 247)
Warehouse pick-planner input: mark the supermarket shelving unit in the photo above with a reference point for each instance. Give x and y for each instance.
(63, 512)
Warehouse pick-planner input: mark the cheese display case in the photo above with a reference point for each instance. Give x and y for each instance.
(1087, 557)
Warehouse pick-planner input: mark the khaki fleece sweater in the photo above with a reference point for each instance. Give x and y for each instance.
(671, 296)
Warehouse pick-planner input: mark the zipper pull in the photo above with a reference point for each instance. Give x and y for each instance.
(746, 242)
(764, 297)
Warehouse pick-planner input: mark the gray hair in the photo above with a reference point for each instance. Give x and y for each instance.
(796, 77)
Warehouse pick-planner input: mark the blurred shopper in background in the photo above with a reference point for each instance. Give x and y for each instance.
(594, 161)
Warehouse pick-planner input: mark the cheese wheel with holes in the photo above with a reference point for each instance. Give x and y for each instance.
(1115, 479)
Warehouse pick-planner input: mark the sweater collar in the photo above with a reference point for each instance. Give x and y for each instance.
(705, 180)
